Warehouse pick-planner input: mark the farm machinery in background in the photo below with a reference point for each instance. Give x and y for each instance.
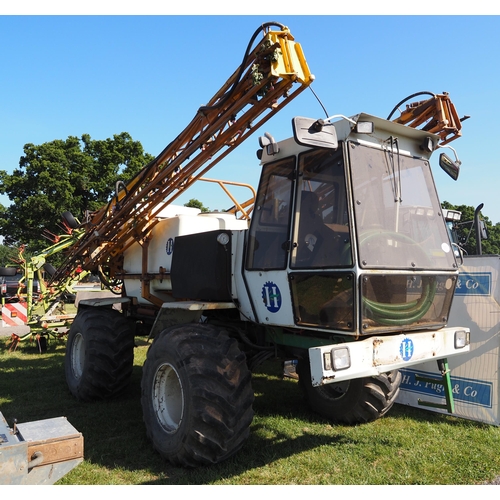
(42, 451)
(344, 265)
(33, 302)
(28, 300)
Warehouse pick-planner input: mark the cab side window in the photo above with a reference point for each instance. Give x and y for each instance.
(269, 231)
(321, 233)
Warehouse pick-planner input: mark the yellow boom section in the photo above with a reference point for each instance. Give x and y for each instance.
(270, 76)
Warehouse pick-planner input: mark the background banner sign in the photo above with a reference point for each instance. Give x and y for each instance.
(471, 391)
(475, 375)
(473, 284)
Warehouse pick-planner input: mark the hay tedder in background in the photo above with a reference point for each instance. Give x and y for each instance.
(28, 299)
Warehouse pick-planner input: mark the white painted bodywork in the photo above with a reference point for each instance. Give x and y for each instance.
(175, 221)
(376, 355)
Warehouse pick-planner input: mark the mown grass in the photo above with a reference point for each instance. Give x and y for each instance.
(288, 445)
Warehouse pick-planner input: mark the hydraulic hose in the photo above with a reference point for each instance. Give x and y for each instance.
(404, 313)
(424, 92)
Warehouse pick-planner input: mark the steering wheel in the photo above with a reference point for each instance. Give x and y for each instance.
(398, 314)
(387, 238)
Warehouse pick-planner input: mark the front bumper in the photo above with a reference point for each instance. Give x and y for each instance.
(380, 354)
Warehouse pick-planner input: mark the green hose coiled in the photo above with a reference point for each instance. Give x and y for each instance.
(403, 314)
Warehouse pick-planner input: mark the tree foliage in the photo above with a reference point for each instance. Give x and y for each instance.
(194, 203)
(8, 256)
(467, 233)
(75, 175)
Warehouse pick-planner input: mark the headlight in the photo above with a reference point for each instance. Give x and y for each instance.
(341, 358)
(461, 339)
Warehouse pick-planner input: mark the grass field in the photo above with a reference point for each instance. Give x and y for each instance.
(288, 445)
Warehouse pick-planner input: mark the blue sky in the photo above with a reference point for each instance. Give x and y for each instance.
(147, 75)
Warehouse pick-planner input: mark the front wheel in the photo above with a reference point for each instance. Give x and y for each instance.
(353, 401)
(196, 395)
(99, 354)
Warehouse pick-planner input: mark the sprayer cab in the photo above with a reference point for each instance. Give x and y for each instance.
(348, 219)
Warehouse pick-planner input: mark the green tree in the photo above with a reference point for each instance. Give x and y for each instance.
(75, 175)
(467, 233)
(194, 203)
(8, 256)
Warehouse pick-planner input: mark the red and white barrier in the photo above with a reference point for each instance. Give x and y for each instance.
(14, 314)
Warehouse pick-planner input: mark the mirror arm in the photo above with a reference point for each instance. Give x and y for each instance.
(454, 152)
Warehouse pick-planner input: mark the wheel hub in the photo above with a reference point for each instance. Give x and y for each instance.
(168, 397)
(336, 390)
(78, 355)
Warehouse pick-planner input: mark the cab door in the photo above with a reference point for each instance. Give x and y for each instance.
(269, 244)
(321, 268)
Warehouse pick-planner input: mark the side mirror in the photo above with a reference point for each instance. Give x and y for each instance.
(480, 227)
(452, 168)
(482, 230)
(316, 133)
(459, 256)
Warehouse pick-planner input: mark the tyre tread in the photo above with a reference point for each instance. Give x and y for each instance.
(220, 389)
(366, 399)
(109, 345)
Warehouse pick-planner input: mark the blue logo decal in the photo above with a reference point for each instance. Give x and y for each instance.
(169, 247)
(406, 349)
(271, 296)
(473, 284)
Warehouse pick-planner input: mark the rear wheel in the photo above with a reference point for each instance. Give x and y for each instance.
(353, 401)
(99, 354)
(70, 220)
(196, 395)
